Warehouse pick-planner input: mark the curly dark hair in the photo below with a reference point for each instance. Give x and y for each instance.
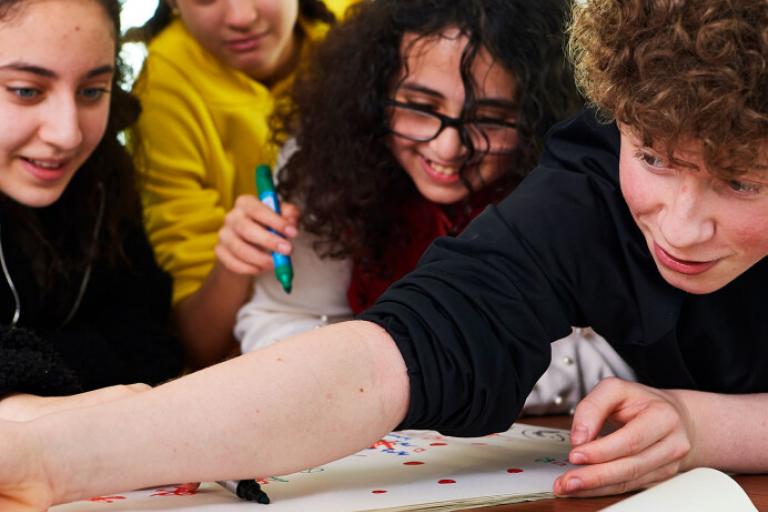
(678, 71)
(343, 174)
(64, 230)
(309, 10)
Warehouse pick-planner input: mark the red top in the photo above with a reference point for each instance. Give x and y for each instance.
(427, 221)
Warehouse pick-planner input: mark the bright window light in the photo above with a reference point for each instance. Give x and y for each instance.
(134, 13)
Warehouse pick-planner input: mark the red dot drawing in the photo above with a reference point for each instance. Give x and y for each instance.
(446, 481)
(438, 444)
(514, 470)
(106, 499)
(178, 491)
(413, 463)
(378, 491)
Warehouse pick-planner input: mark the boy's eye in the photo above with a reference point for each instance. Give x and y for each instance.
(651, 159)
(744, 187)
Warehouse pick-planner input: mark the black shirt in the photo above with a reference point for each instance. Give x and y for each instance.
(475, 319)
(118, 333)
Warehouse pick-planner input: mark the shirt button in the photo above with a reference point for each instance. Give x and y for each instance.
(324, 319)
(558, 399)
(567, 360)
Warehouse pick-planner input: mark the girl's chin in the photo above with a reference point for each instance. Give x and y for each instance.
(443, 195)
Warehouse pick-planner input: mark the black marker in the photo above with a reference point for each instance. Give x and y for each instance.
(248, 490)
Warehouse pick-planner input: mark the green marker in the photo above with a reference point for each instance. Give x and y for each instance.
(266, 190)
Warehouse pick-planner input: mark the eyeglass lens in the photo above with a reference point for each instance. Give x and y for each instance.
(422, 126)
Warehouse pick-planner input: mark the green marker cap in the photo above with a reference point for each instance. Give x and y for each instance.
(264, 181)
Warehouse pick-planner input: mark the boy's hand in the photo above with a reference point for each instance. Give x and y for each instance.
(653, 441)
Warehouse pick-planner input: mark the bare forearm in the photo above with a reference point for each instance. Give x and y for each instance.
(728, 430)
(296, 404)
(206, 318)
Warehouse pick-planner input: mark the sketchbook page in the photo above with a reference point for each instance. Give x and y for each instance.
(403, 471)
(699, 490)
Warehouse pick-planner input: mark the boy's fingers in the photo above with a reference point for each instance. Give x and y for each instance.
(632, 438)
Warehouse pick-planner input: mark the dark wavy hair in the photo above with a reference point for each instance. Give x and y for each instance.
(309, 10)
(343, 173)
(676, 71)
(64, 231)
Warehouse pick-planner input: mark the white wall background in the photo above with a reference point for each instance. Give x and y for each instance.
(134, 13)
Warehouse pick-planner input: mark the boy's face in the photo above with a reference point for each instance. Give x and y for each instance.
(702, 231)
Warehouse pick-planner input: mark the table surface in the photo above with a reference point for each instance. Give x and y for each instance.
(756, 486)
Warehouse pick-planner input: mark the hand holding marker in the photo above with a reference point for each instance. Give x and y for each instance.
(266, 190)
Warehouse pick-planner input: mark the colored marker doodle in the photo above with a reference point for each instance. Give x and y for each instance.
(394, 444)
(552, 460)
(106, 499)
(514, 470)
(438, 444)
(549, 435)
(378, 491)
(446, 481)
(413, 463)
(313, 470)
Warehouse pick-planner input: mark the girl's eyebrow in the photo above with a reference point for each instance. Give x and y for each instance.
(414, 87)
(503, 103)
(48, 73)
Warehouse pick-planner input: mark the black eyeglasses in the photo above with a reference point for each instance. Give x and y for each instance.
(487, 135)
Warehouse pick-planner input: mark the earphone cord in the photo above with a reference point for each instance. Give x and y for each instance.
(83, 283)
(7, 274)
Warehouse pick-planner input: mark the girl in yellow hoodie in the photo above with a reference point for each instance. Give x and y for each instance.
(213, 73)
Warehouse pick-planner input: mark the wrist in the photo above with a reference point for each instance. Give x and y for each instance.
(692, 407)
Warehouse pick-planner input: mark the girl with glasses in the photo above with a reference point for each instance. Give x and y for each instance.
(83, 304)
(449, 115)
(213, 72)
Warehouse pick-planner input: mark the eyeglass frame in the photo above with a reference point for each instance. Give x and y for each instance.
(459, 123)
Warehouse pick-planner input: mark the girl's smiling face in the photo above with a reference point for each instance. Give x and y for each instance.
(56, 67)
(702, 231)
(433, 83)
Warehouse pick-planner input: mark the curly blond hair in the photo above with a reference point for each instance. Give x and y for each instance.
(679, 71)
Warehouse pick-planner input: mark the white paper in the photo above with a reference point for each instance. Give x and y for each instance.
(698, 490)
(403, 470)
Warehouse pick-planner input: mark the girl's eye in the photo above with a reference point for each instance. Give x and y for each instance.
(744, 187)
(424, 107)
(93, 93)
(25, 93)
